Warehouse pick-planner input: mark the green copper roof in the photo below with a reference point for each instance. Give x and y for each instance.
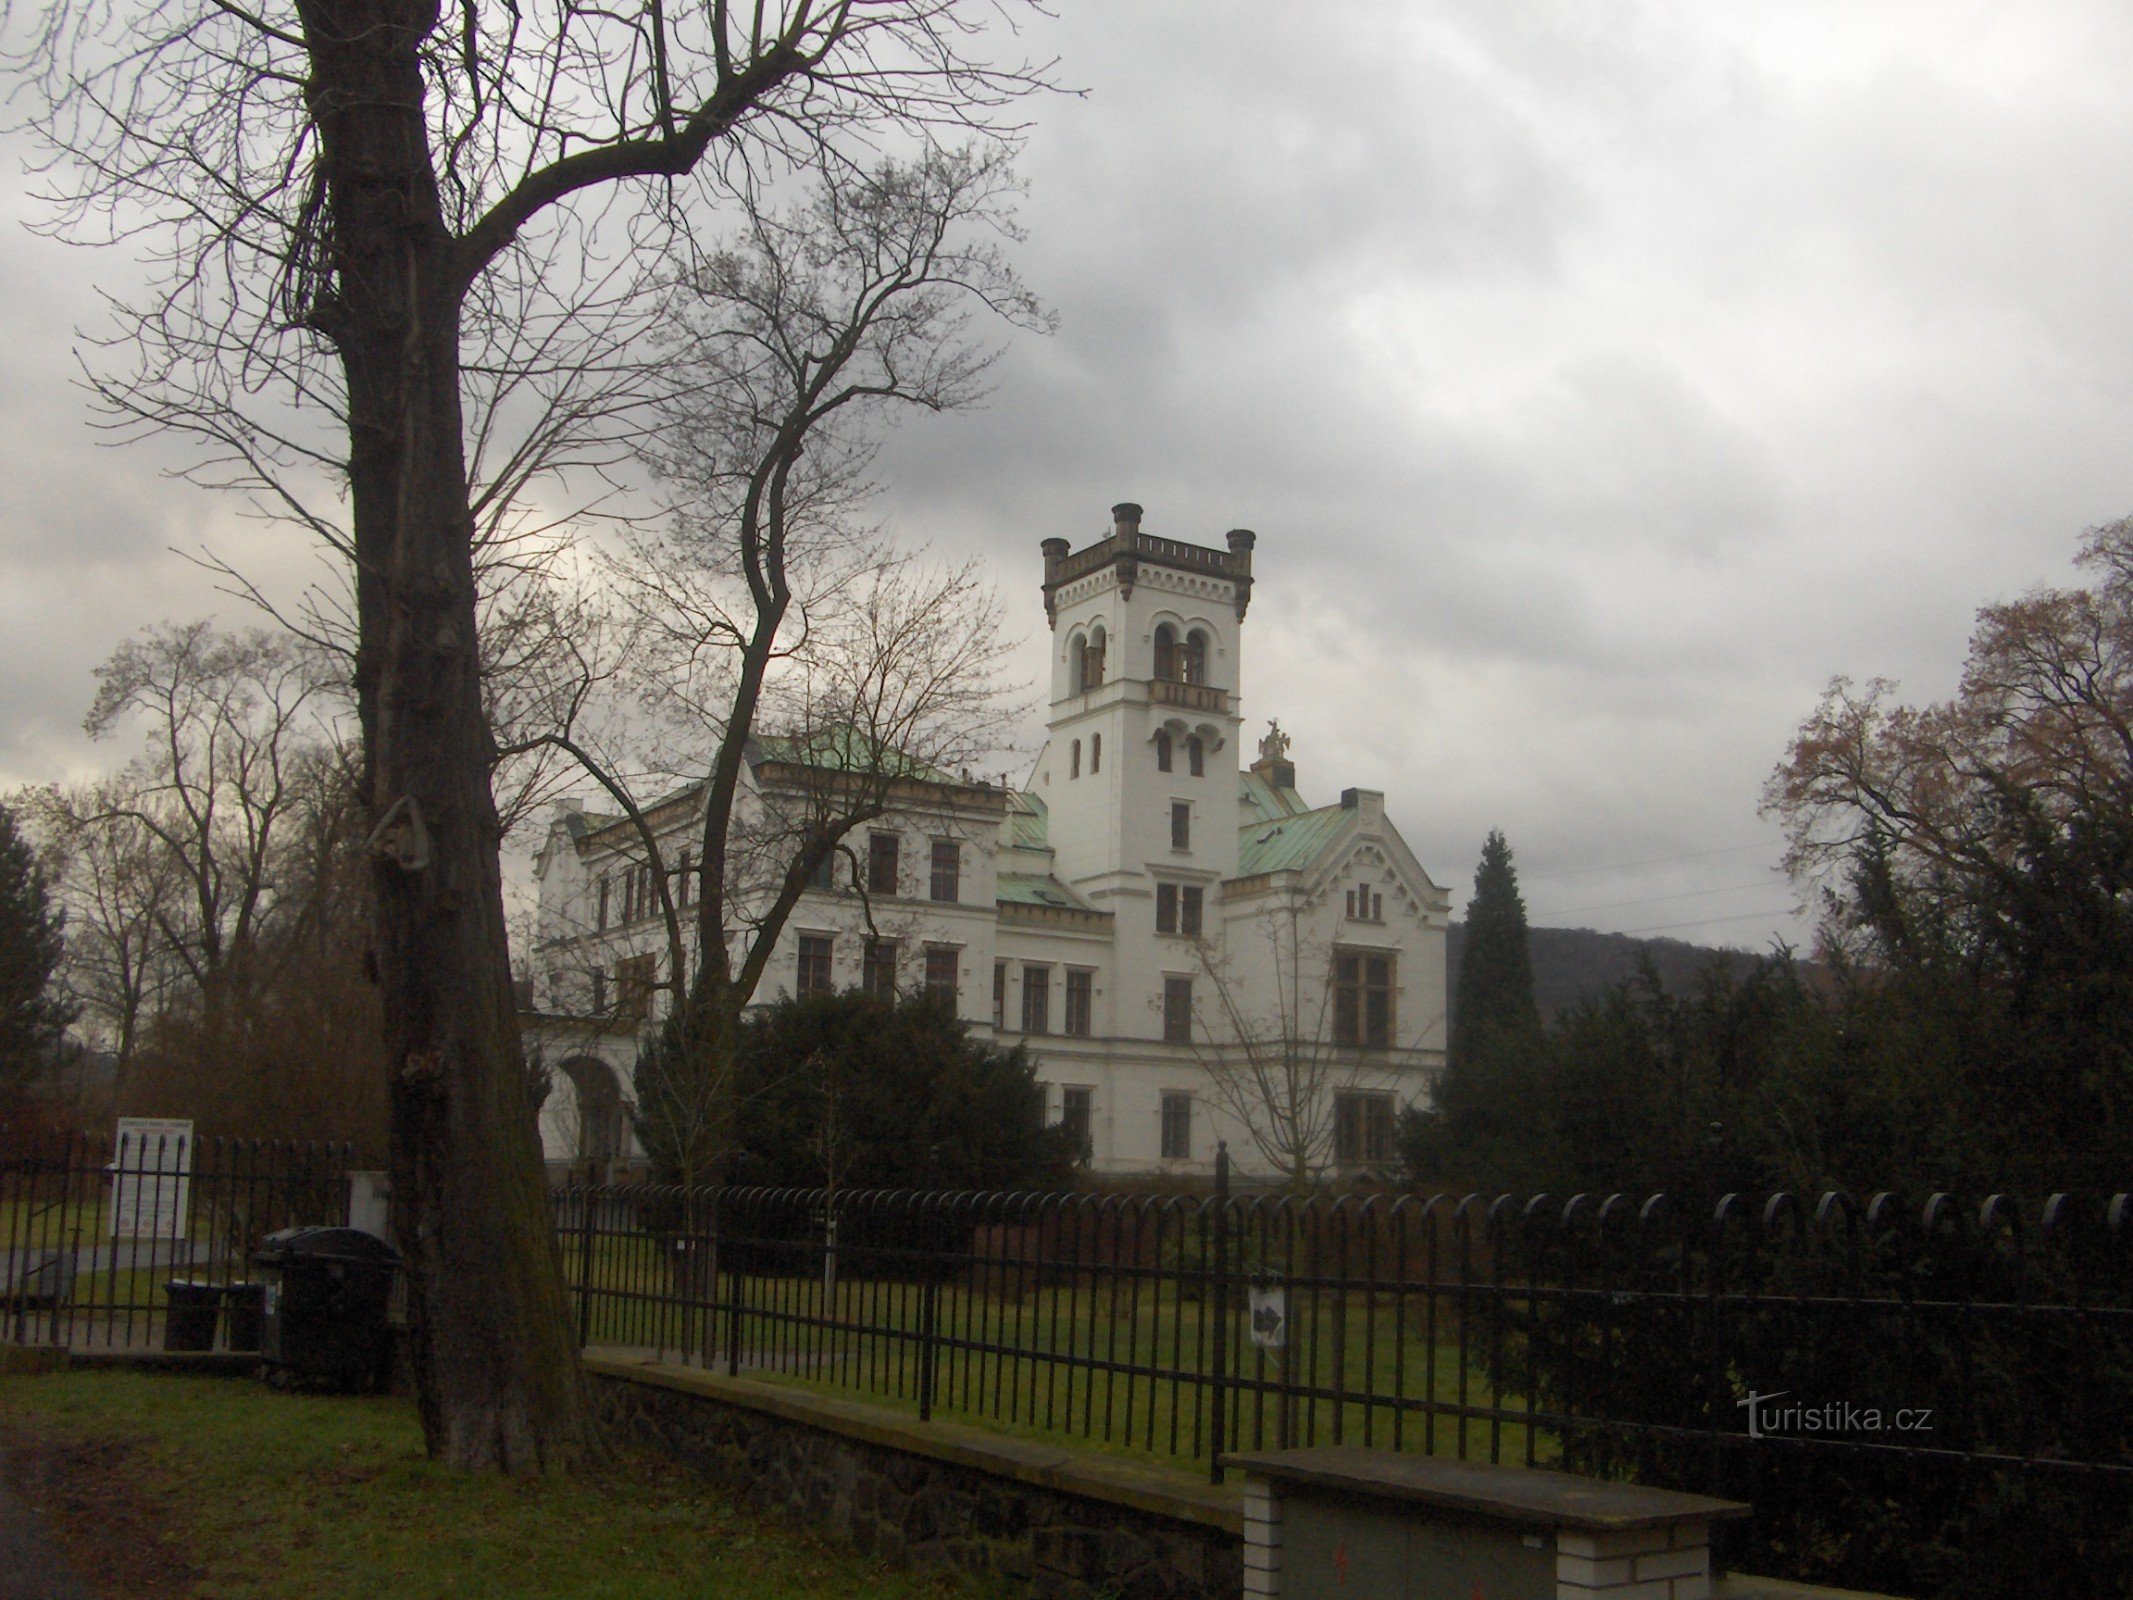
(1268, 803)
(1038, 889)
(1288, 843)
(1028, 823)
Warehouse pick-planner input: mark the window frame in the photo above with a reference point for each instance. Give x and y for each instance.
(884, 862)
(1166, 908)
(1362, 1127)
(1177, 1009)
(1174, 1140)
(953, 873)
(1163, 756)
(1077, 1110)
(1036, 998)
(815, 950)
(1078, 1003)
(1181, 824)
(877, 968)
(1365, 1007)
(947, 991)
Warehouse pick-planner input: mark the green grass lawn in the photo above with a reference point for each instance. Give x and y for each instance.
(259, 1495)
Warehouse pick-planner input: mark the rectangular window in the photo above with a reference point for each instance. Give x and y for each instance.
(633, 987)
(881, 863)
(1096, 754)
(600, 911)
(1181, 825)
(686, 880)
(1189, 910)
(1196, 756)
(999, 996)
(1162, 750)
(1177, 1011)
(877, 971)
(1365, 904)
(947, 870)
(599, 993)
(826, 871)
(1036, 999)
(1177, 1127)
(1077, 1108)
(814, 965)
(1166, 908)
(1362, 1127)
(1363, 999)
(942, 975)
(1080, 986)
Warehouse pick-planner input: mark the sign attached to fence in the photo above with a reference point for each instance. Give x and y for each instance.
(1270, 1318)
(151, 1177)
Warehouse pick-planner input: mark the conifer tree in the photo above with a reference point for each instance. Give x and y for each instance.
(33, 1012)
(1494, 998)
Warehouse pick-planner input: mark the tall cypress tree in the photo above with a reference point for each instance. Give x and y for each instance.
(33, 1013)
(1488, 1123)
(1494, 998)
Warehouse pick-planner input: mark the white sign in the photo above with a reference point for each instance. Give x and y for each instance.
(1270, 1318)
(151, 1178)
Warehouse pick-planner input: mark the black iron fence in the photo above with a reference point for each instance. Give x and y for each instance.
(1917, 1394)
(93, 1231)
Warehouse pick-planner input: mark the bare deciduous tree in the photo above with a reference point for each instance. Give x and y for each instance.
(774, 630)
(382, 225)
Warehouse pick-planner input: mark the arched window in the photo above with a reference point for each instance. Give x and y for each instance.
(1162, 751)
(1192, 660)
(1096, 754)
(1074, 761)
(1166, 652)
(1078, 663)
(1092, 661)
(1196, 756)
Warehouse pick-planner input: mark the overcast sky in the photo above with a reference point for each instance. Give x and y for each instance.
(1600, 377)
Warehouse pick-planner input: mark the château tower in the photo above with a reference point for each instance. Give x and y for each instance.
(1140, 771)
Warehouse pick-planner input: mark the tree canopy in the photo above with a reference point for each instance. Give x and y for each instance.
(34, 1013)
(854, 1091)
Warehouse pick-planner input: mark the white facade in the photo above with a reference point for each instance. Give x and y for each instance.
(1191, 953)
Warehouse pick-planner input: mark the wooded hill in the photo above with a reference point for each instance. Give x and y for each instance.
(1574, 964)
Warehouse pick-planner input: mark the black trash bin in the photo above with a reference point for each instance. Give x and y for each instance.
(326, 1293)
(194, 1308)
(248, 1314)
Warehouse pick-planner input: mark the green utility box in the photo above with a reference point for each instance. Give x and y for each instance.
(1349, 1524)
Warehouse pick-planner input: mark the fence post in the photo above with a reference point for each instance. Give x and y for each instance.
(733, 1313)
(1218, 1377)
(928, 1302)
(585, 1263)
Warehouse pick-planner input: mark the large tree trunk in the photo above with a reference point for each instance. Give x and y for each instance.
(495, 1366)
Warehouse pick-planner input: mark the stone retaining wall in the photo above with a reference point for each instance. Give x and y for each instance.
(1068, 1525)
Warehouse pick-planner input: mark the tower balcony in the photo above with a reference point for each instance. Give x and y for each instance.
(1190, 696)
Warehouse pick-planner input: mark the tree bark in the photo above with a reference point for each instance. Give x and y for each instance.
(496, 1369)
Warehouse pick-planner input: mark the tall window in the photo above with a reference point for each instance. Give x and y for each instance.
(599, 993)
(1092, 661)
(1036, 999)
(600, 906)
(1177, 1127)
(685, 881)
(1166, 651)
(1365, 904)
(1192, 659)
(1362, 1127)
(947, 870)
(1096, 754)
(826, 871)
(877, 972)
(1196, 756)
(999, 996)
(634, 977)
(1177, 1011)
(1166, 908)
(942, 976)
(1077, 1107)
(814, 977)
(1362, 998)
(1080, 987)
(1189, 898)
(1162, 751)
(881, 863)
(1074, 761)
(1181, 825)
